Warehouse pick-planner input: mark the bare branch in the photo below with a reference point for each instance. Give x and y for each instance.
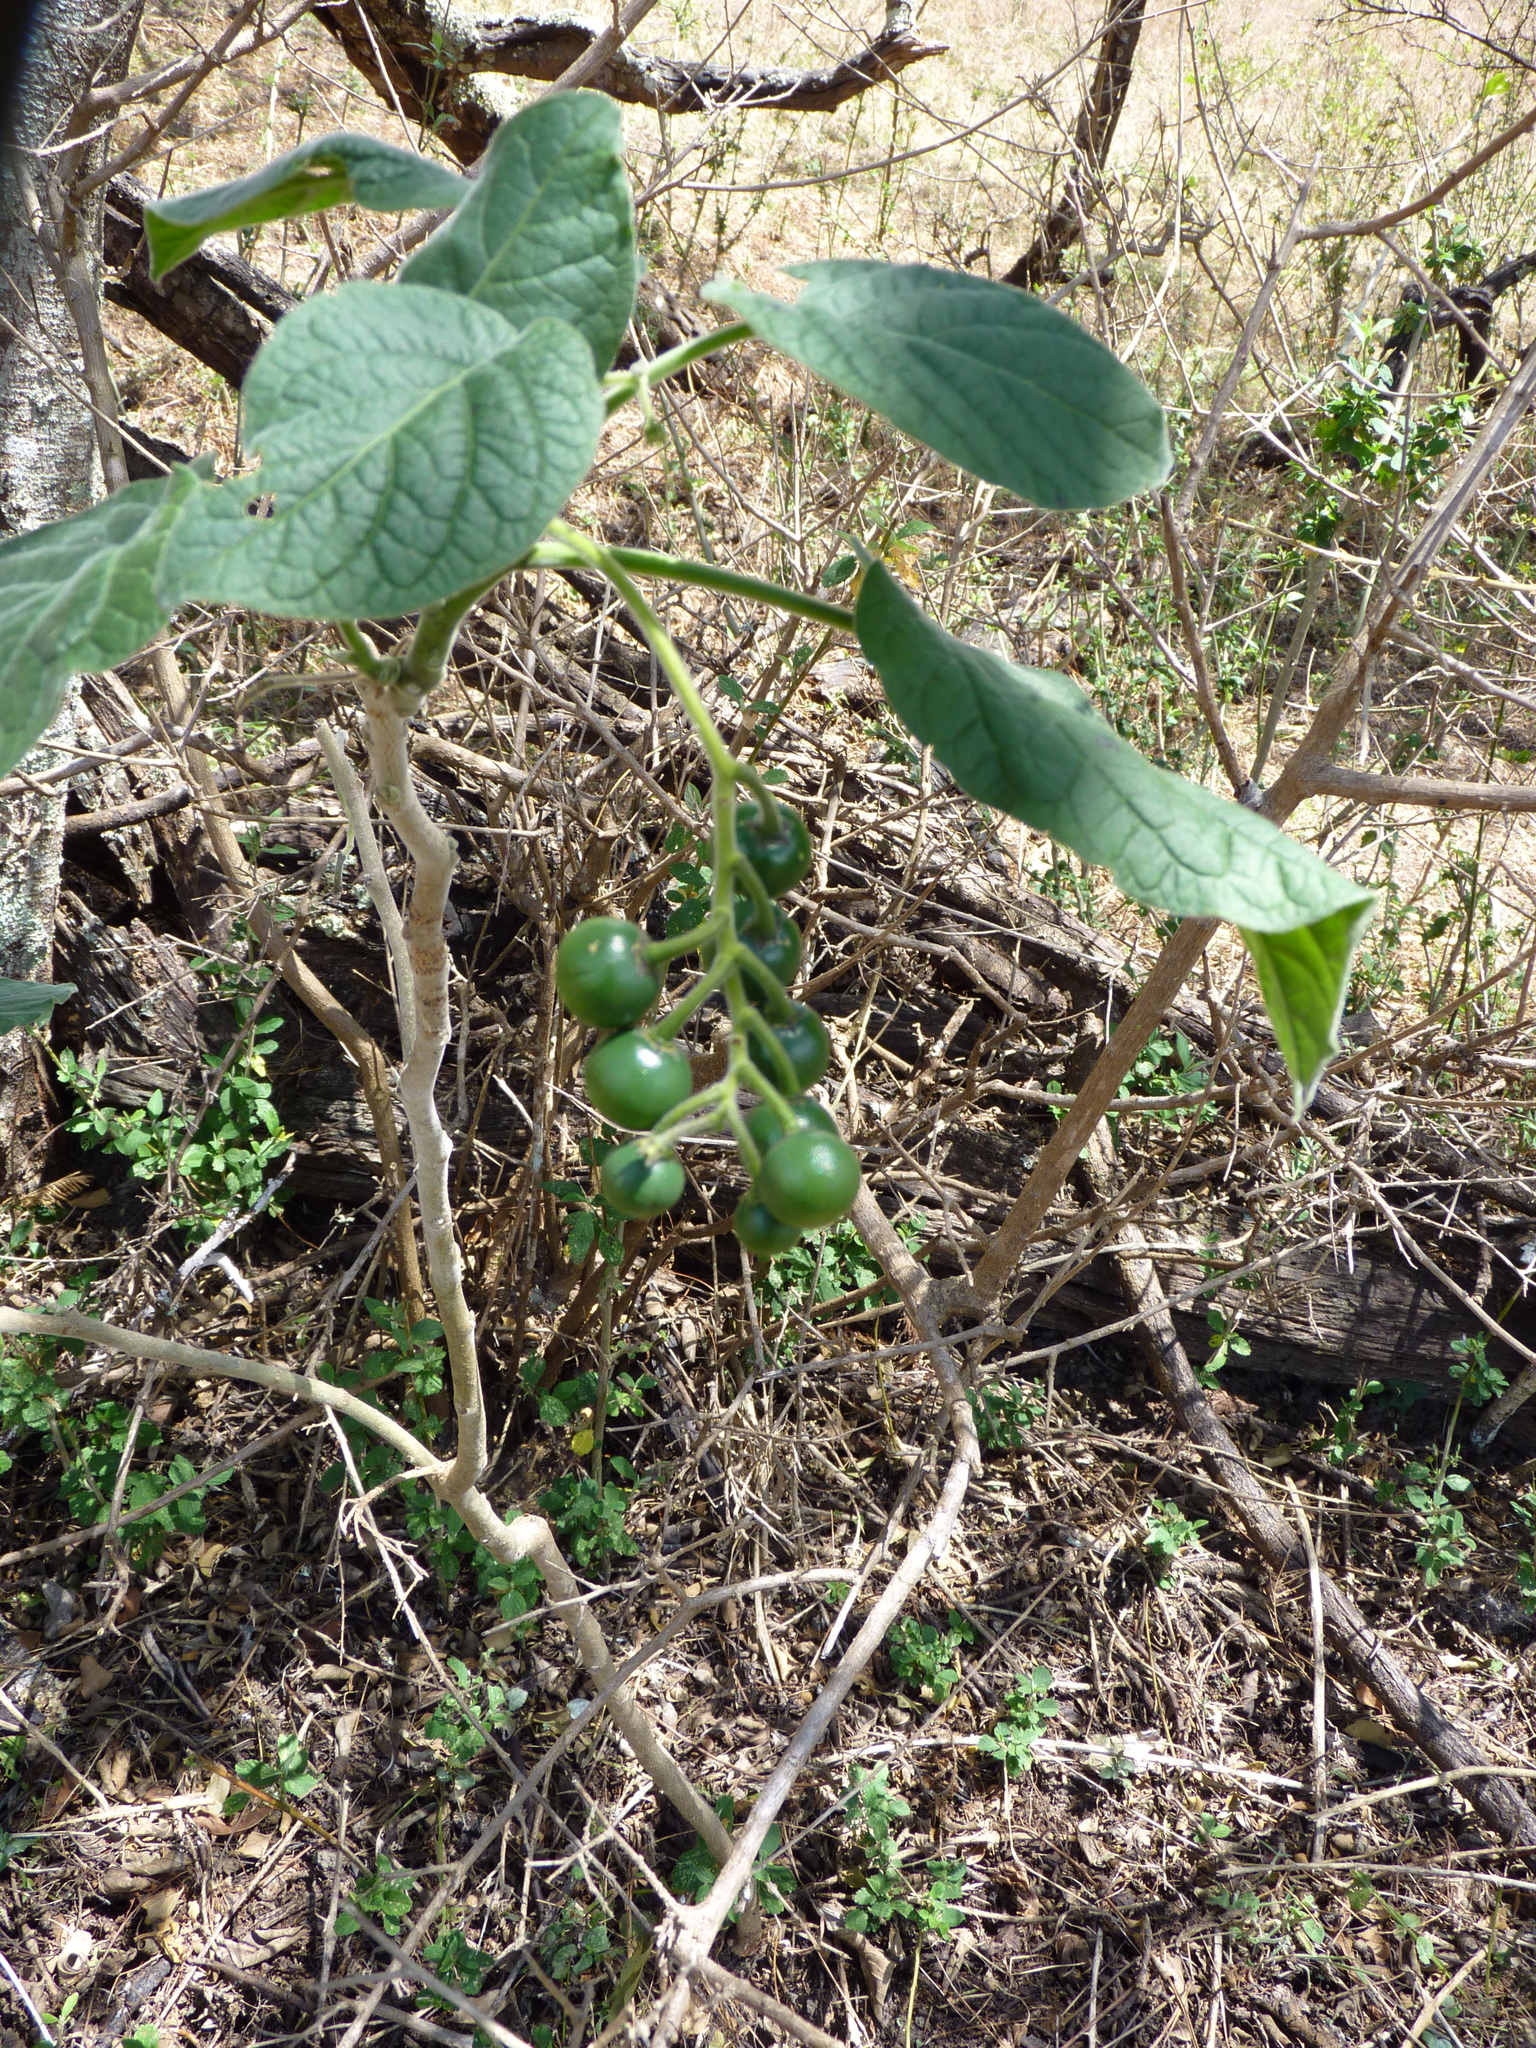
(1330, 230)
(1092, 135)
(422, 53)
(1364, 788)
(215, 305)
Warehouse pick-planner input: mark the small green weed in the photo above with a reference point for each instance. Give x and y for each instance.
(1168, 1531)
(385, 1897)
(823, 1266)
(1364, 1898)
(889, 1892)
(588, 1519)
(216, 1169)
(577, 1942)
(923, 1657)
(1282, 1925)
(458, 1963)
(288, 1775)
(1166, 1067)
(1225, 1343)
(1479, 1381)
(1027, 1712)
(450, 1725)
(1344, 1442)
(90, 1443)
(695, 1870)
(1446, 1543)
(1005, 1413)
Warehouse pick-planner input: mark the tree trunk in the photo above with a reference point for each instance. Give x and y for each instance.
(49, 464)
(1097, 120)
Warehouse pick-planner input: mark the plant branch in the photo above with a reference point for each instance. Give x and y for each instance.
(1258, 313)
(1330, 230)
(704, 576)
(1364, 788)
(433, 859)
(689, 1931)
(1210, 710)
(1296, 782)
(277, 942)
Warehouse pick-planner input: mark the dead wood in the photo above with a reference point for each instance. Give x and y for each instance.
(216, 306)
(1270, 1530)
(1092, 134)
(422, 55)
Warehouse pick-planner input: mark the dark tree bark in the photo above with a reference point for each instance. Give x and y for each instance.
(215, 305)
(1097, 120)
(423, 54)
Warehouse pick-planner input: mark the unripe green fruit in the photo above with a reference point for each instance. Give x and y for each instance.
(632, 1081)
(805, 1039)
(781, 854)
(759, 1231)
(602, 973)
(779, 950)
(808, 1179)
(766, 1129)
(637, 1186)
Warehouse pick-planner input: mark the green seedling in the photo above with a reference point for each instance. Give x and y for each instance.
(384, 1896)
(1027, 1712)
(287, 1775)
(923, 1657)
(1168, 1530)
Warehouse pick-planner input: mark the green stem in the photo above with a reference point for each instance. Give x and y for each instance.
(620, 386)
(703, 576)
(425, 662)
(714, 977)
(660, 952)
(605, 560)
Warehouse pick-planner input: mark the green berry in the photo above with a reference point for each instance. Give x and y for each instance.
(760, 1232)
(804, 1038)
(638, 1186)
(767, 1130)
(779, 949)
(808, 1179)
(781, 853)
(632, 1081)
(603, 975)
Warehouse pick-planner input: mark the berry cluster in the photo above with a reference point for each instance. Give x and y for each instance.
(609, 974)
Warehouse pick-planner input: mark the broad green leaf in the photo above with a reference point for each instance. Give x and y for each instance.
(1029, 743)
(333, 170)
(30, 1002)
(1304, 976)
(80, 595)
(548, 227)
(413, 444)
(992, 379)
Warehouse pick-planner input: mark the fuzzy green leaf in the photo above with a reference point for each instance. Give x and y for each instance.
(1029, 743)
(990, 378)
(547, 230)
(30, 1002)
(333, 170)
(80, 595)
(414, 444)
